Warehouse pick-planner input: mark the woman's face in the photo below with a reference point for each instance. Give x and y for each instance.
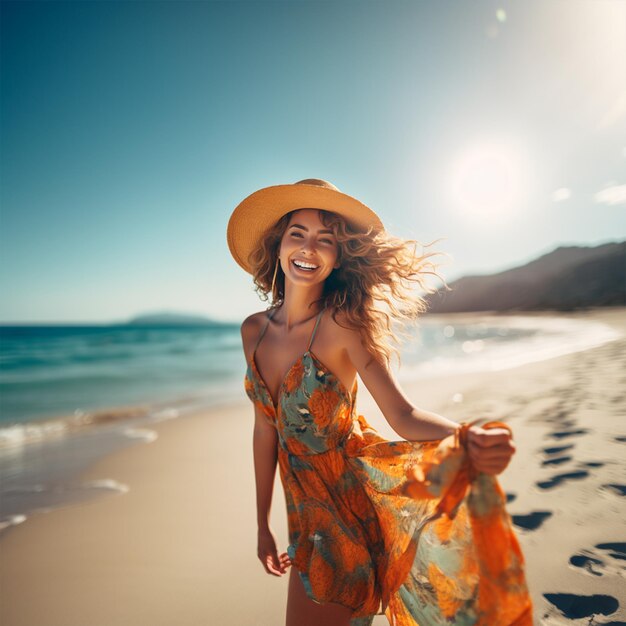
(308, 241)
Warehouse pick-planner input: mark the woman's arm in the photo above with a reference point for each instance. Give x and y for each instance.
(265, 452)
(265, 446)
(490, 450)
(265, 449)
(409, 421)
(265, 437)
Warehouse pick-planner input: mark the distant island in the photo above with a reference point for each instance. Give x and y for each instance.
(173, 319)
(566, 279)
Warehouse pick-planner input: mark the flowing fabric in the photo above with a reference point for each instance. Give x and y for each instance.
(404, 528)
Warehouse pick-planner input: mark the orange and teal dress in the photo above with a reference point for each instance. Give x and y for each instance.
(435, 550)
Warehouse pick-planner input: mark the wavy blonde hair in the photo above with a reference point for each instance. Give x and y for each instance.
(375, 267)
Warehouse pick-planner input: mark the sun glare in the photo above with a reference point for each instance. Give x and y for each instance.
(486, 181)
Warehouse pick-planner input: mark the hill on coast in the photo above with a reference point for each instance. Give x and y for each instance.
(566, 279)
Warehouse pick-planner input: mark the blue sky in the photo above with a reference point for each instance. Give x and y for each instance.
(130, 131)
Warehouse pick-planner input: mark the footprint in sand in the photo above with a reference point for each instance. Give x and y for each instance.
(562, 434)
(531, 521)
(557, 461)
(574, 606)
(588, 563)
(559, 478)
(620, 438)
(603, 558)
(619, 490)
(558, 449)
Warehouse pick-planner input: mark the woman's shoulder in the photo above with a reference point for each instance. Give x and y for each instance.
(354, 339)
(342, 327)
(254, 321)
(250, 329)
(254, 318)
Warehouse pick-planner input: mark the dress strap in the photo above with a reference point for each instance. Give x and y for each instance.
(258, 341)
(319, 317)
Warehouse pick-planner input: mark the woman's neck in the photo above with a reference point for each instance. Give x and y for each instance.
(298, 307)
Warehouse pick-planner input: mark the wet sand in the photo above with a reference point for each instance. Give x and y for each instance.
(180, 545)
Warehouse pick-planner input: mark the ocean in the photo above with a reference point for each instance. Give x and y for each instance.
(71, 394)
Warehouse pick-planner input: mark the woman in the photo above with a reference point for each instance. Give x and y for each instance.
(415, 529)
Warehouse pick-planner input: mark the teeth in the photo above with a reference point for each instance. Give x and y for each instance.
(305, 265)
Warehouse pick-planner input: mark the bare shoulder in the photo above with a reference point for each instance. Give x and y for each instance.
(345, 332)
(250, 329)
(352, 339)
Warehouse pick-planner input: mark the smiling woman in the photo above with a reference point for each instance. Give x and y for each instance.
(375, 526)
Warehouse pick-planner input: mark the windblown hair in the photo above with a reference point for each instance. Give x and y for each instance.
(375, 268)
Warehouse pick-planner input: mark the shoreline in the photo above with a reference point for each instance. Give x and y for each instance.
(177, 543)
(16, 432)
(43, 460)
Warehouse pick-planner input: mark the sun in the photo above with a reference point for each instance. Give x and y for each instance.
(486, 181)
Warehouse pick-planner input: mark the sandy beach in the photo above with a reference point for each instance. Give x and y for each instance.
(180, 545)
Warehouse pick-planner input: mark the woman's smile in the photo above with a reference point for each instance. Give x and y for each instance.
(304, 266)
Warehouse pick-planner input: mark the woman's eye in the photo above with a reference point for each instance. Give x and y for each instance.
(301, 236)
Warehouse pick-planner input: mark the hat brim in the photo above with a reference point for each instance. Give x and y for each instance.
(262, 209)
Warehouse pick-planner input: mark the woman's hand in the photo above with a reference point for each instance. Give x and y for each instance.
(268, 555)
(490, 449)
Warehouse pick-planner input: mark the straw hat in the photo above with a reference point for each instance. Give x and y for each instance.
(263, 208)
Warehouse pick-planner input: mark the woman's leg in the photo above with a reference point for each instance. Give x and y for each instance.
(302, 611)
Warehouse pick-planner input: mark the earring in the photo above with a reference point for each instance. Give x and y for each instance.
(274, 279)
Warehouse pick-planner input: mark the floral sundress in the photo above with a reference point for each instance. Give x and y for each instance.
(435, 551)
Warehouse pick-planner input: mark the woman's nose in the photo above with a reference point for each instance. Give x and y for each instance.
(308, 245)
